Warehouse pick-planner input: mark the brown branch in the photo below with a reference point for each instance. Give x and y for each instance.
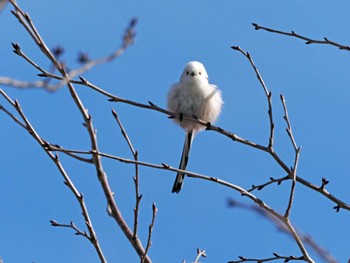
(267, 93)
(136, 177)
(96, 156)
(209, 126)
(25, 20)
(308, 41)
(127, 41)
(308, 240)
(27, 125)
(272, 181)
(150, 231)
(275, 257)
(296, 159)
(26, 84)
(13, 117)
(72, 226)
(242, 191)
(259, 202)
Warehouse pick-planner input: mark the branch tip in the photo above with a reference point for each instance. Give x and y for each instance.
(337, 208)
(114, 113)
(83, 80)
(54, 223)
(42, 75)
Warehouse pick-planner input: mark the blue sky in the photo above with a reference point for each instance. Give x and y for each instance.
(314, 80)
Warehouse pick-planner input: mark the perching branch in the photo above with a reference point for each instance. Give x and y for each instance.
(151, 106)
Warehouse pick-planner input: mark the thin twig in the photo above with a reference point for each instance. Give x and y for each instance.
(13, 117)
(26, 84)
(200, 253)
(209, 126)
(275, 257)
(124, 133)
(127, 41)
(308, 240)
(272, 181)
(242, 191)
(27, 125)
(267, 93)
(150, 231)
(321, 190)
(97, 160)
(25, 20)
(289, 127)
(296, 159)
(72, 226)
(292, 189)
(325, 40)
(219, 181)
(136, 177)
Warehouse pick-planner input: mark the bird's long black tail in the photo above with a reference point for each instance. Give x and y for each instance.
(183, 163)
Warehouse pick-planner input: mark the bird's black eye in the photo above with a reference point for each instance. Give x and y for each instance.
(200, 73)
(187, 73)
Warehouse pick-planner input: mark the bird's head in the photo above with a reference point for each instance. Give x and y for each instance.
(194, 71)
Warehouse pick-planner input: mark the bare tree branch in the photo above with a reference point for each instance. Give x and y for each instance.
(242, 191)
(307, 239)
(150, 231)
(272, 181)
(209, 126)
(200, 253)
(308, 41)
(27, 125)
(65, 77)
(297, 153)
(72, 226)
(267, 93)
(25, 20)
(136, 177)
(88, 64)
(275, 257)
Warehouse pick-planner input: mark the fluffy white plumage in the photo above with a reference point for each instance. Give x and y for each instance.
(193, 96)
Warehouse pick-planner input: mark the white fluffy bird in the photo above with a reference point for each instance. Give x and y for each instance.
(193, 96)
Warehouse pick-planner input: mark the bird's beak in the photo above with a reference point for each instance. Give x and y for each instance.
(193, 73)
